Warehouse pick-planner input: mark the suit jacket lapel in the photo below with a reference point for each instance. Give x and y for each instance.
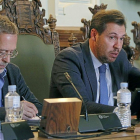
(5, 88)
(90, 71)
(116, 78)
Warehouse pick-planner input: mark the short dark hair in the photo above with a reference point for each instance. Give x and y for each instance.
(6, 26)
(101, 18)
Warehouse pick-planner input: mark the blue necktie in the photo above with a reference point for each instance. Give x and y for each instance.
(103, 85)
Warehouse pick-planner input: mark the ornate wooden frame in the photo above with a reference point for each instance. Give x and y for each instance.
(86, 28)
(136, 38)
(30, 20)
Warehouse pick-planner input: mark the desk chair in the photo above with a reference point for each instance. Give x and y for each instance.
(35, 60)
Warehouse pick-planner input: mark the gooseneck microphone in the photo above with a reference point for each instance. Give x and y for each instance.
(70, 80)
(95, 122)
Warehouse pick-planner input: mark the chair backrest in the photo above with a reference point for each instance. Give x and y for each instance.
(35, 61)
(37, 44)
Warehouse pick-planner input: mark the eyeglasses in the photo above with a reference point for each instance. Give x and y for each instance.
(12, 54)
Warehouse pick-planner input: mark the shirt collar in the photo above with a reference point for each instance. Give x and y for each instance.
(96, 62)
(3, 73)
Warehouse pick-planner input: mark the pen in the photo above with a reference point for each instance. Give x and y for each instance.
(37, 113)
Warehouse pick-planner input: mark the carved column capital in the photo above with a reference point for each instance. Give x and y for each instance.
(97, 8)
(52, 22)
(72, 39)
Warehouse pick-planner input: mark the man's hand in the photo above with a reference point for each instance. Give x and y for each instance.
(29, 110)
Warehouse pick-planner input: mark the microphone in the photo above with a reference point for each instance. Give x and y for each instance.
(69, 79)
(95, 122)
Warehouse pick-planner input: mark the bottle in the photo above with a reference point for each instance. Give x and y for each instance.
(123, 102)
(12, 105)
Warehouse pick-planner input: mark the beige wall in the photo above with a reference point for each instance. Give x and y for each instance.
(71, 11)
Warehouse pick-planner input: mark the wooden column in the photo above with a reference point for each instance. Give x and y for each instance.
(55, 36)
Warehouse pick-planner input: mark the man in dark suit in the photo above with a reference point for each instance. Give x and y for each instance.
(10, 73)
(83, 60)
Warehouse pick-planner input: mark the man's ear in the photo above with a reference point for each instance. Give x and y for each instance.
(93, 34)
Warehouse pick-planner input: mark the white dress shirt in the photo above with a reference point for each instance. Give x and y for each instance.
(97, 64)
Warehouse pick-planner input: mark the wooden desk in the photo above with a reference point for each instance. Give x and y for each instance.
(114, 136)
(124, 135)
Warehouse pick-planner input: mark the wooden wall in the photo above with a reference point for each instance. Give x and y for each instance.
(64, 34)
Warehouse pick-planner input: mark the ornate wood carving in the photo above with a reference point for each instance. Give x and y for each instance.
(86, 28)
(129, 50)
(28, 17)
(64, 34)
(72, 39)
(55, 35)
(24, 21)
(136, 38)
(97, 8)
(126, 40)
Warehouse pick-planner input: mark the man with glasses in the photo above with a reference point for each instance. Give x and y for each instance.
(10, 73)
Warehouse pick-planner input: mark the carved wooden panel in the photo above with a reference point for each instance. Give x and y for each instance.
(25, 16)
(29, 19)
(136, 38)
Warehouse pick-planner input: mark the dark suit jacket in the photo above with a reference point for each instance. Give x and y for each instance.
(77, 62)
(14, 77)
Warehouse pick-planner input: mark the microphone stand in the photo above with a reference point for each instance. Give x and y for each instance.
(69, 79)
(95, 122)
